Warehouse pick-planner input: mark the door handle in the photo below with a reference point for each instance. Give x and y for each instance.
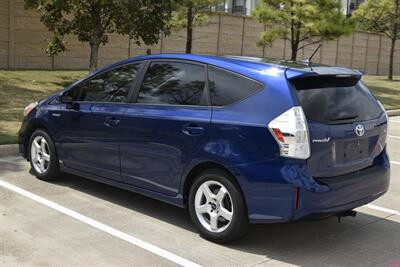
(192, 130)
(111, 122)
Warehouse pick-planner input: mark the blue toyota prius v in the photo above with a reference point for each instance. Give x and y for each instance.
(235, 140)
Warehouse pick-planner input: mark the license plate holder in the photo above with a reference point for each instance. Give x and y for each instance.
(351, 150)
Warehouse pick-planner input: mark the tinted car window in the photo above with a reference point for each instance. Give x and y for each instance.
(340, 101)
(74, 92)
(112, 86)
(227, 88)
(173, 83)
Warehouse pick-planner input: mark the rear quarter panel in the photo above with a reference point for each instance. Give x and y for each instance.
(239, 139)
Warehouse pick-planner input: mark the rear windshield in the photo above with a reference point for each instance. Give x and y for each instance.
(334, 100)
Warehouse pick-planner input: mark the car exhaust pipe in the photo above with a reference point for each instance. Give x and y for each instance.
(347, 213)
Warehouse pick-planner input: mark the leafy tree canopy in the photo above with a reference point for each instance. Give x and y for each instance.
(93, 20)
(302, 22)
(201, 10)
(188, 14)
(382, 16)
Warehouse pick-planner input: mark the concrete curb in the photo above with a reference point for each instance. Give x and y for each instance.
(9, 151)
(394, 112)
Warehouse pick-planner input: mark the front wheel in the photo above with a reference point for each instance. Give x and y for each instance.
(43, 157)
(217, 207)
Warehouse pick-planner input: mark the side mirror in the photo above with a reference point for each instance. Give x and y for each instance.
(67, 100)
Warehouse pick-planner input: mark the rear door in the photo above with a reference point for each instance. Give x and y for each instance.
(165, 129)
(346, 123)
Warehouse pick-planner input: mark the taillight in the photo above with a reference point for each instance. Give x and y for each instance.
(380, 104)
(291, 133)
(29, 108)
(383, 135)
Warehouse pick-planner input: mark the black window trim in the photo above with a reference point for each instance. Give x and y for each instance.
(135, 88)
(90, 77)
(263, 86)
(205, 95)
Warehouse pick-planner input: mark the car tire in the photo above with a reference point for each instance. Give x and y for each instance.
(220, 214)
(43, 156)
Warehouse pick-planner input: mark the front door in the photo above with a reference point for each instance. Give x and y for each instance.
(89, 138)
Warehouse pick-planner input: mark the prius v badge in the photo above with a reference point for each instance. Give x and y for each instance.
(325, 140)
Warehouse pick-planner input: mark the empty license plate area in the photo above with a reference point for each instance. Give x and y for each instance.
(347, 151)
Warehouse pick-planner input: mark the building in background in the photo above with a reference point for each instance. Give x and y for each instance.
(350, 5)
(237, 7)
(245, 7)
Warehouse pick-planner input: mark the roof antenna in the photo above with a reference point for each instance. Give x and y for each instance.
(308, 61)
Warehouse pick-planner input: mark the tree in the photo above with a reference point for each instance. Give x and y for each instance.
(188, 14)
(93, 20)
(301, 22)
(381, 16)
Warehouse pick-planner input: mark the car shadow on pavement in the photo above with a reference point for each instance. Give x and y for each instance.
(130, 200)
(366, 240)
(11, 165)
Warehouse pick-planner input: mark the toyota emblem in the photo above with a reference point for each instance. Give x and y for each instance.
(360, 130)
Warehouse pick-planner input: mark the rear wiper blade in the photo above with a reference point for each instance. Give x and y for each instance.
(344, 118)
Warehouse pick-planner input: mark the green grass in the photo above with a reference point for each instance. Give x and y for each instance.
(19, 88)
(388, 92)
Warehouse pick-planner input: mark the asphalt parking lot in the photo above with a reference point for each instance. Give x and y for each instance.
(77, 222)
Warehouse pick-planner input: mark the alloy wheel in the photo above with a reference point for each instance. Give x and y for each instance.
(40, 154)
(213, 206)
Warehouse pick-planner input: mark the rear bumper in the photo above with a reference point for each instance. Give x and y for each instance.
(289, 193)
(346, 192)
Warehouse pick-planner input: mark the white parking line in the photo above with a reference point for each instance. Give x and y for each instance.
(395, 162)
(395, 137)
(390, 211)
(105, 228)
(394, 121)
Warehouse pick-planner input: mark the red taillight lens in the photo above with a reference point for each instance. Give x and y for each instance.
(278, 134)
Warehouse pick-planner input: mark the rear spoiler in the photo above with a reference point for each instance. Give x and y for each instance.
(324, 81)
(321, 70)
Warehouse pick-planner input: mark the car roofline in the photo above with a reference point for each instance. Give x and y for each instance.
(245, 65)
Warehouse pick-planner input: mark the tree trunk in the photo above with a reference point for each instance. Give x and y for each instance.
(393, 43)
(295, 47)
(189, 28)
(295, 41)
(94, 52)
(391, 61)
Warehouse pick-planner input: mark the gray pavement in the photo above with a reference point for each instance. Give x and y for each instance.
(32, 234)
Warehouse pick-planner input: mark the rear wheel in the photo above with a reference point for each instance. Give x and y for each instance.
(217, 207)
(43, 157)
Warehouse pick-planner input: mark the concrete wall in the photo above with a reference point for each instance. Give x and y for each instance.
(23, 39)
(4, 32)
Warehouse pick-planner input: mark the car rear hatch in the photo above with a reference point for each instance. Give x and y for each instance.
(347, 125)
